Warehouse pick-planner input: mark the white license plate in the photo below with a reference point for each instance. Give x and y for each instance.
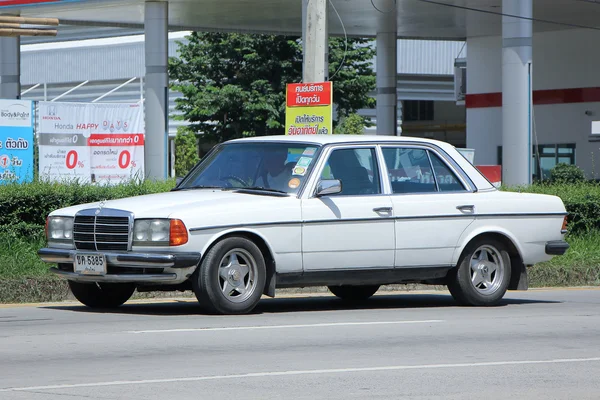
(92, 264)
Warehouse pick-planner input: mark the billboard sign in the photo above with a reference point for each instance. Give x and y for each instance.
(90, 142)
(309, 108)
(16, 141)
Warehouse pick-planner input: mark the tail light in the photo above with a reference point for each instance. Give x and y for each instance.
(564, 225)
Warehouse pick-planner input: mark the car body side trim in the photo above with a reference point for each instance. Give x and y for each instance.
(380, 219)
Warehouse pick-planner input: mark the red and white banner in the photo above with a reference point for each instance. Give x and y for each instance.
(99, 143)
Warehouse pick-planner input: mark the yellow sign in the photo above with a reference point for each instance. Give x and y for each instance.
(309, 109)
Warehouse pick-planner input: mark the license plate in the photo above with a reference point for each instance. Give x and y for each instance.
(92, 264)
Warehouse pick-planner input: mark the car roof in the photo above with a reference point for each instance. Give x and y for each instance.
(335, 139)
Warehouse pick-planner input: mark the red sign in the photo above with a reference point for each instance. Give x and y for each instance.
(123, 139)
(309, 94)
(492, 172)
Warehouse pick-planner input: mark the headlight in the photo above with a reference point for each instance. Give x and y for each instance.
(60, 231)
(151, 232)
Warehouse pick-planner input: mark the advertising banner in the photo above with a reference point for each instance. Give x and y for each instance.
(309, 108)
(98, 143)
(16, 141)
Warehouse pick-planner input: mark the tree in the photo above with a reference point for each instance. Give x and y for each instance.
(353, 124)
(233, 85)
(186, 150)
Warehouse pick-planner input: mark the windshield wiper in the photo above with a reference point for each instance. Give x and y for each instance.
(263, 189)
(196, 187)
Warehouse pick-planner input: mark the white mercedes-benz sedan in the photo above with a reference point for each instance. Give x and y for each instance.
(347, 212)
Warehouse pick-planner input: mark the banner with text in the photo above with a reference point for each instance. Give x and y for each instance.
(98, 143)
(16, 141)
(309, 108)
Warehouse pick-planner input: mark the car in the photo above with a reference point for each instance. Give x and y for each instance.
(350, 212)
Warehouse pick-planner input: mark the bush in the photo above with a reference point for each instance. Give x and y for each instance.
(582, 201)
(353, 124)
(566, 173)
(25, 206)
(186, 151)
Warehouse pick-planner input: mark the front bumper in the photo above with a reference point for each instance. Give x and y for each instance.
(148, 267)
(557, 247)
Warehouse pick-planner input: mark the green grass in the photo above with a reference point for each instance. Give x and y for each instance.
(580, 266)
(19, 259)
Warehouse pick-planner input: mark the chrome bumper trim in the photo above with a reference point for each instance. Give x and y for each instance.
(129, 259)
(152, 278)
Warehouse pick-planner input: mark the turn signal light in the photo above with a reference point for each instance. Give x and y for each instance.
(564, 225)
(178, 234)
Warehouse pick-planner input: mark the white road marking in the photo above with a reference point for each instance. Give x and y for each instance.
(247, 328)
(300, 372)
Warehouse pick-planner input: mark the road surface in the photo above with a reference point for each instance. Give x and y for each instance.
(540, 344)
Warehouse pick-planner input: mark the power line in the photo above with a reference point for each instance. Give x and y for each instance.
(509, 15)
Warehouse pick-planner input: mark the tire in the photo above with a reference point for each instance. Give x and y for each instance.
(102, 295)
(354, 293)
(482, 275)
(226, 285)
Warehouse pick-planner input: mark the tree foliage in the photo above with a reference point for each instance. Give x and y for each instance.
(233, 85)
(186, 150)
(353, 124)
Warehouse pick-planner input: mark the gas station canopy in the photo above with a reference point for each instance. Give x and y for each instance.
(431, 19)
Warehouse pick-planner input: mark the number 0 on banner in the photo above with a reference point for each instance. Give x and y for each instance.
(124, 159)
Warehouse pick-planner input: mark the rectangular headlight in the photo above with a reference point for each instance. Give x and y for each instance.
(151, 232)
(60, 231)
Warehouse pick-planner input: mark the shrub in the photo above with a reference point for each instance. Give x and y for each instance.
(24, 207)
(353, 124)
(566, 173)
(582, 201)
(186, 150)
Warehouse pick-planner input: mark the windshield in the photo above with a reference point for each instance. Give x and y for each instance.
(281, 167)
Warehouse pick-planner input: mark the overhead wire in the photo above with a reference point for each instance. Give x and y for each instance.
(500, 13)
(384, 12)
(345, 41)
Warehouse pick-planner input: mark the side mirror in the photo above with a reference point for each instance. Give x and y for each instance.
(329, 186)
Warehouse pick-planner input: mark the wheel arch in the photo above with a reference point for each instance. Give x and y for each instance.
(260, 242)
(518, 279)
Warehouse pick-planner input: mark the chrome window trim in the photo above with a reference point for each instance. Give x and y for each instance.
(455, 168)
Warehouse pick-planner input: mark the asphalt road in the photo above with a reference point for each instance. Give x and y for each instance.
(537, 345)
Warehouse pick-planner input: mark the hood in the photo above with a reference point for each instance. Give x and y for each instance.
(163, 205)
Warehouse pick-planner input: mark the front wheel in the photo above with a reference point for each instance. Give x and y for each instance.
(482, 275)
(231, 278)
(102, 295)
(354, 293)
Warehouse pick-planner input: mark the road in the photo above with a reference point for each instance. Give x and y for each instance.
(540, 344)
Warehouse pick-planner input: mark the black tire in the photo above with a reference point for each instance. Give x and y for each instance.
(209, 284)
(102, 295)
(490, 292)
(354, 293)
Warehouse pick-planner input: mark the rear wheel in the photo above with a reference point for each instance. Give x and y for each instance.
(354, 293)
(102, 295)
(483, 274)
(231, 278)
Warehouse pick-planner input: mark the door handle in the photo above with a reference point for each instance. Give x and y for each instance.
(383, 209)
(466, 208)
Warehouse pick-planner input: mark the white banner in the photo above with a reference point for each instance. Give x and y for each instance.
(102, 143)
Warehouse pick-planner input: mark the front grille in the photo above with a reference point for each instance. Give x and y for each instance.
(91, 232)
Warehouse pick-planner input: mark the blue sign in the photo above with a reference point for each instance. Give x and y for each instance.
(16, 141)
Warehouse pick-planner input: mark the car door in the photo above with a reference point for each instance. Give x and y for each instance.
(433, 205)
(352, 229)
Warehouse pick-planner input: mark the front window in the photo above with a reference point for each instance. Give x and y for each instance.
(356, 169)
(279, 167)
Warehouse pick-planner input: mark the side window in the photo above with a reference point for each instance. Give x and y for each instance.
(409, 170)
(446, 179)
(356, 168)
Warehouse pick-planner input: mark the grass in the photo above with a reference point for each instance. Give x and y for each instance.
(19, 259)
